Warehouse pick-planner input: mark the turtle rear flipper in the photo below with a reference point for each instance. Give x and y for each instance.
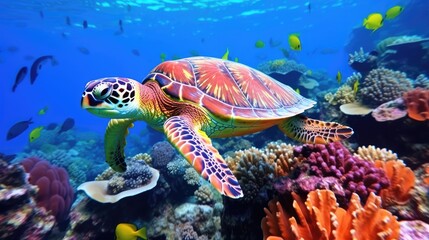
(307, 130)
(114, 143)
(197, 149)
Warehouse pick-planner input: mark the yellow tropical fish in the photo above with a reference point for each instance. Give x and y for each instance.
(35, 133)
(297, 90)
(43, 110)
(393, 12)
(338, 77)
(236, 59)
(226, 55)
(356, 86)
(163, 56)
(295, 42)
(259, 44)
(127, 231)
(373, 22)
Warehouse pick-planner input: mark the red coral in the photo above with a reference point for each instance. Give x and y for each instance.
(55, 192)
(417, 102)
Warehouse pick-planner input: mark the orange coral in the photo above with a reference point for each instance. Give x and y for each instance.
(402, 181)
(321, 218)
(417, 102)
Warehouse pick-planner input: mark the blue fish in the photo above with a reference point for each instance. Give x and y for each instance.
(67, 125)
(18, 128)
(37, 65)
(20, 77)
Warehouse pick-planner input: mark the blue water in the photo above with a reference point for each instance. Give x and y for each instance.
(175, 28)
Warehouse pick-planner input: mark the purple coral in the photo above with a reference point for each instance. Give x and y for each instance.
(162, 153)
(333, 160)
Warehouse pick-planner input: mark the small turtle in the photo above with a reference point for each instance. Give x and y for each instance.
(194, 99)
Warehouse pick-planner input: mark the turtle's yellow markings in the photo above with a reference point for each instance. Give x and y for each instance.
(187, 74)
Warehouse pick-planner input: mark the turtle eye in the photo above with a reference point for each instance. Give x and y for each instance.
(102, 91)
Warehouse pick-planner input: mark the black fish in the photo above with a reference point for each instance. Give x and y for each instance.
(37, 65)
(135, 52)
(7, 158)
(20, 77)
(309, 7)
(68, 21)
(67, 125)
(121, 29)
(41, 14)
(17, 129)
(83, 50)
(51, 126)
(85, 24)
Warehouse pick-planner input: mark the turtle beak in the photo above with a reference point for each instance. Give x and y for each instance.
(97, 107)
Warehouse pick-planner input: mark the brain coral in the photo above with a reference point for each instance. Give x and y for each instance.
(382, 85)
(55, 192)
(162, 153)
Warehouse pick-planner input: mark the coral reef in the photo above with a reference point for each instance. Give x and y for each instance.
(417, 102)
(382, 85)
(363, 62)
(286, 71)
(372, 153)
(162, 153)
(389, 111)
(345, 174)
(421, 82)
(20, 216)
(55, 193)
(413, 230)
(321, 218)
(343, 95)
(402, 181)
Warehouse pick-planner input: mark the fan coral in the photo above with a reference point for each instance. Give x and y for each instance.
(162, 153)
(372, 153)
(402, 181)
(321, 218)
(382, 85)
(417, 102)
(334, 160)
(55, 192)
(343, 95)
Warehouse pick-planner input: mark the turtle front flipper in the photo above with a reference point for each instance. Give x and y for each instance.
(307, 130)
(114, 143)
(198, 150)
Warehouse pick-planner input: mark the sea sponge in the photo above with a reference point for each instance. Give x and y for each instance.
(382, 85)
(417, 102)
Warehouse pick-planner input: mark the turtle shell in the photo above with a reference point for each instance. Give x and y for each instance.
(228, 89)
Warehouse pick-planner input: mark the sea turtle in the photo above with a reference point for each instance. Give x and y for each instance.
(194, 99)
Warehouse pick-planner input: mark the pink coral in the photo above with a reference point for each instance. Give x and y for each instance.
(55, 192)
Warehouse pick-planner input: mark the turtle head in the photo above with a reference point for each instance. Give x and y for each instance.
(112, 97)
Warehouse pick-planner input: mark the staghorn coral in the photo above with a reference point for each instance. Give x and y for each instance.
(321, 218)
(421, 82)
(417, 102)
(382, 85)
(332, 166)
(402, 181)
(372, 153)
(343, 95)
(362, 61)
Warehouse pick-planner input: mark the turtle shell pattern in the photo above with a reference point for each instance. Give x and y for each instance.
(228, 89)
